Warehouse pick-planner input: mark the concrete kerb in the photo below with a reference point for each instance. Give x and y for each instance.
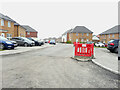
(19, 52)
(104, 67)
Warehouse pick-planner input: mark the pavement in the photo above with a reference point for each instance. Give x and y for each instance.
(106, 59)
(22, 49)
(53, 67)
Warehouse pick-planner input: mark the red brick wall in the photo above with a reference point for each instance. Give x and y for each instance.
(32, 34)
(67, 36)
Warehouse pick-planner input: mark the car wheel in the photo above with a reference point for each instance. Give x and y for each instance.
(2, 46)
(13, 48)
(116, 50)
(111, 51)
(25, 44)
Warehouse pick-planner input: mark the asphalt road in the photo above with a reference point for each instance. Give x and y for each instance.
(53, 68)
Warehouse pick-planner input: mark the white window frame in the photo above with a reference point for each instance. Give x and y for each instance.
(28, 33)
(9, 24)
(112, 35)
(9, 36)
(87, 34)
(109, 35)
(2, 22)
(76, 34)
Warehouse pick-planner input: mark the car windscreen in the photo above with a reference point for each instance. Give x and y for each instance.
(111, 41)
(2, 38)
(26, 39)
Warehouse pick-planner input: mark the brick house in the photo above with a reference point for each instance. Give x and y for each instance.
(110, 34)
(6, 26)
(80, 34)
(65, 36)
(19, 31)
(30, 32)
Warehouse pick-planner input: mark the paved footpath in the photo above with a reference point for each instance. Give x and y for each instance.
(106, 59)
(53, 68)
(21, 49)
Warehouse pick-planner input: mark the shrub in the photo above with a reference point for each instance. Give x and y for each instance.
(69, 42)
(82, 42)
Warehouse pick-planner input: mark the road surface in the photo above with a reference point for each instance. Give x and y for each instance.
(53, 68)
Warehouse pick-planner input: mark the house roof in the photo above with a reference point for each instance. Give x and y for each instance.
(112, 30)
(68, 31)
(28, 28)
(81, 29)
(17, 24)
(6, 18)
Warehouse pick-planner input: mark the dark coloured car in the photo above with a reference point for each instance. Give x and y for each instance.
(52, 42)
(119, 51)
(7, 44)
(37, 43)
(22, 41)
(113, 45)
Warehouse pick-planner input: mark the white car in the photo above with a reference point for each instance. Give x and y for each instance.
(99, 44)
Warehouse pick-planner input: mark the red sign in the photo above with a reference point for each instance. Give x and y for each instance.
(84, 49)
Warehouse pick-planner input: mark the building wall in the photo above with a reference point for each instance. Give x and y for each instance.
(64, 38)
(22, 32)
(78, 36)
(5, 27)
(31, 34)
(105, 38)
(16, 31)
(19, 31)
(67, 36)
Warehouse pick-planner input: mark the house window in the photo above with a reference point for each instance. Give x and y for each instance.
(28, 33)
(113, 35)
(2, 22)
(82, 34)
(104, 36)
(87, 34)
(119, 35)
(9, 36)
(9, 24)
(109, 35)
(76, 34)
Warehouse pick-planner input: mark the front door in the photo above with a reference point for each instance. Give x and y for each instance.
(2, 34)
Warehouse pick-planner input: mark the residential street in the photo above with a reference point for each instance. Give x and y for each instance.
(53, 67)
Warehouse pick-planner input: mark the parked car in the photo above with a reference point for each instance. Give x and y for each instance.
(52, 42)
(105, 44)
(36, 40)
(119, 51)
(7, 44)
(113, 45)
(99, 44)
(46, 41)
(42, 42)
(22, 41)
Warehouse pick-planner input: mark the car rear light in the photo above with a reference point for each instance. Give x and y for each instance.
(112, 44)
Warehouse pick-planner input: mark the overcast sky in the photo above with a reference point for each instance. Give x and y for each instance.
(51, 19)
